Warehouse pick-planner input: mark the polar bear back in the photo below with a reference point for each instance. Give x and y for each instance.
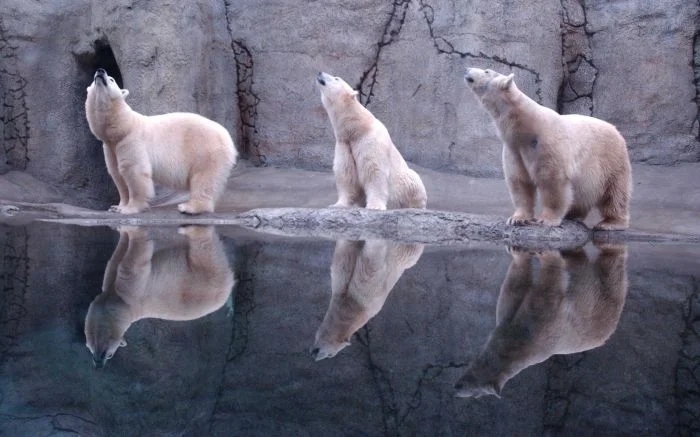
(180, 143)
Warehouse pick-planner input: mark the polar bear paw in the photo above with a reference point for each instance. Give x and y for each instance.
(376, 205)
(518, 220)
(192, 208)
(130, 208)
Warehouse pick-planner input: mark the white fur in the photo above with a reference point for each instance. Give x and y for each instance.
(573, 305)
(369, 170)
(362, 276)
(180, 283)
(179, 150)
(574, 162)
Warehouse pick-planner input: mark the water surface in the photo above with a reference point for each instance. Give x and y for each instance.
(233, 333)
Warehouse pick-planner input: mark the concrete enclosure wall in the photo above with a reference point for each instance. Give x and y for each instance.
(250, 65)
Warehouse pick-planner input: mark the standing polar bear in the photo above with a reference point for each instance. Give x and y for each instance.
(182, 282)
(369, 170)
(570, 304)
(575, 162)
(178, 150)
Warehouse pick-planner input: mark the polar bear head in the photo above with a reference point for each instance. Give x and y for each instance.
(344, 317)
(491, 88)
(104, 86)
(335, 92)
(107, 320)
(105, 100)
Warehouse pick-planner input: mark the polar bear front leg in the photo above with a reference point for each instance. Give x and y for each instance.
(557, 196)
(113, 170)
(521, 188)
(346, 180)
(203, 254)
(376, 185)
(139, 181)
(135, 267)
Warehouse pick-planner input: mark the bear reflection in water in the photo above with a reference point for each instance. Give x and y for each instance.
(573, 306)
(362, 276)
(184, 282)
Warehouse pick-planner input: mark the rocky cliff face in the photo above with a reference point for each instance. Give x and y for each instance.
(250, 65)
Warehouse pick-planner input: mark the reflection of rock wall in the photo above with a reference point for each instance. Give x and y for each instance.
(402, 367)
(47, 381)
(254, 375)
(634, 63)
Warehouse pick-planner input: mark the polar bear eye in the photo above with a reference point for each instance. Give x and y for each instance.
(111, 80)
(109, 356)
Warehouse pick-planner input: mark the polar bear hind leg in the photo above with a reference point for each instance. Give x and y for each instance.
(614, 206)
(206, 184)
(417, 197)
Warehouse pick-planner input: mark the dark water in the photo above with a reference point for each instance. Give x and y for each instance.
(596, 342)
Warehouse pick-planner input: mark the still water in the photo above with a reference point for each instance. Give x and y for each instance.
(197, 331)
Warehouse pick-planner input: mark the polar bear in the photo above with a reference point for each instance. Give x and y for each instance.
(184, 282)
(362, 275)
(369, 170)
(573, 161)
(178, 150)
(572, 306)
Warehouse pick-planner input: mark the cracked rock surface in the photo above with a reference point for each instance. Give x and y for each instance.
(250, 65)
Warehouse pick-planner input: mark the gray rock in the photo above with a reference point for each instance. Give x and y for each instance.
(250, 66)
(171, 59)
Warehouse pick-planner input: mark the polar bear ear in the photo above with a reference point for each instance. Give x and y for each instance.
(125, 93)
(507, 81)
(354, 93)
(122, 343)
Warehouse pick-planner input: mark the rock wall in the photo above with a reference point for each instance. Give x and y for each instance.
(251, 66)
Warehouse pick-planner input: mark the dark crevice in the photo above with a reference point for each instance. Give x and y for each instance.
(443, 46)
(14, 277)
(579, 71)
(14, 116)
(429, 373)
(243, 305)
(101, 56)
(247, 98)
(695, 127)
(381, 381)
(392, 28)
(687, 372)
(559, 390)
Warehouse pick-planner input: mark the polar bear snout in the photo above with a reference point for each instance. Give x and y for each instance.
(471, 75)
(102, 75)
(321, 78)
(99, 361)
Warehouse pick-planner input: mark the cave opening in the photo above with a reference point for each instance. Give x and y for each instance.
(89, 176)
(101, 57)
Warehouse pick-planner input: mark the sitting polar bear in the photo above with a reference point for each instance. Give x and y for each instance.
(575, 162)
(369, 170)
(362, 276)
(184, 282)
(178, 150)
